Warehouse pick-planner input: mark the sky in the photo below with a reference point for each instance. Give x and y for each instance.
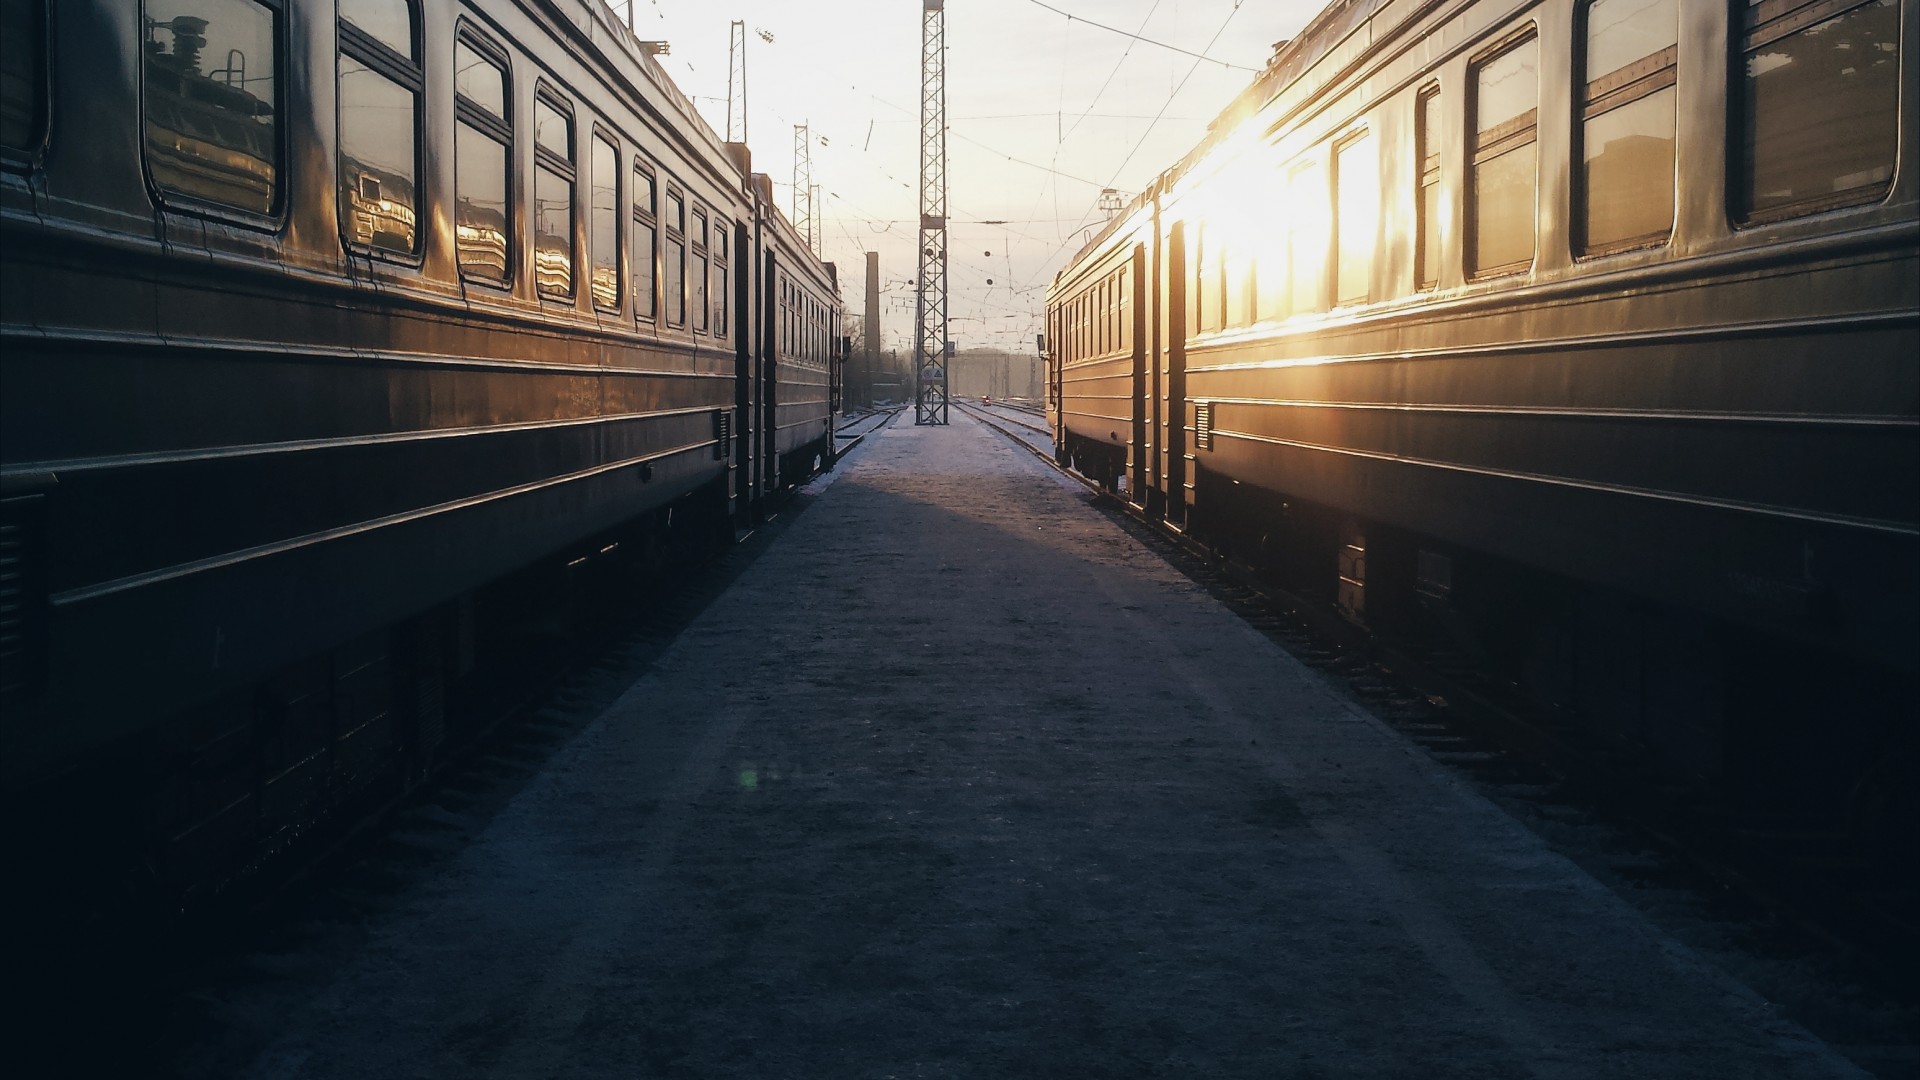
(1043, 112)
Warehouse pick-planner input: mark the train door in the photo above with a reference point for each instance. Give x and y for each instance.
(1136, 337)
(1056, 356)
(1174, 438)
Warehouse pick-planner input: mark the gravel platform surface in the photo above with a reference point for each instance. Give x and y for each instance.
(958, 780)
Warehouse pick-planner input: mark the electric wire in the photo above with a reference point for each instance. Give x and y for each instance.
(1071, 17)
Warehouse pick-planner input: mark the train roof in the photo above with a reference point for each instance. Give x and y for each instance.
(1291, 59)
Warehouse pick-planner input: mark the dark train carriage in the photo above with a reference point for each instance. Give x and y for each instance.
(801, 349)
(316, 320)
(1585, 329)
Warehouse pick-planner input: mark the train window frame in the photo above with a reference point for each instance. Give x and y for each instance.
(1209, 293)
(499, 128)
(1749, 31)
(674, 234)
(1103, 317)
(184, 202)
(1428, 129)
(410, 73)
(567, 170)
(599, 135)
(1301, 174)
(645, 217)
(719, 251)
(1338, 297)
(702, 299)
(38, 48)
(1594, 98)
(1496, 142)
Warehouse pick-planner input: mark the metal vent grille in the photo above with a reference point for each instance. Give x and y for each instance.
(722, 435)
(23, 598)
(1203, 425)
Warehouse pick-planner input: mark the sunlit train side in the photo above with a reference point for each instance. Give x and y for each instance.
(1581, 332)
(316, 321)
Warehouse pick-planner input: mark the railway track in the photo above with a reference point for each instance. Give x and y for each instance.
(1800, 884)
(854, 429)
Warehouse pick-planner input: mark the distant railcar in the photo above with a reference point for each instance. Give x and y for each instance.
(314, 321)
(1582, 332)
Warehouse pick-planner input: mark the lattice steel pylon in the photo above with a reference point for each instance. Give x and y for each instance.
(803, 186)
(737, 83)
(930, 284)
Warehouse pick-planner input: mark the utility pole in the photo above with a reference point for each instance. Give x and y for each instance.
(871, 327)
(737, 83)
(930, 284)
(816, 222)
(802, 185)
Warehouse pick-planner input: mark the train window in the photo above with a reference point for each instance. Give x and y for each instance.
(1506, 88)
(645, 240)
(719, 247)
(604, 223)
(1356, 219)
(1108, 301)
(23, 73)
(380, 89)
(697, 275)
(1104, 328)
(211, 82)
(1626, 180)
(552, 197)
(1125, 312)
(1426, 273)
(480, 78)
(1307, 239)
(1236, 283)
(1816, 122)
(1104, 313)
(388, 22)
(482, 142)
(1206, 284)
(674, 265)
(1113, 313)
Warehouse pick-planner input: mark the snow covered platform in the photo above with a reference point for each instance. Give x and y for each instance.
(993, 791)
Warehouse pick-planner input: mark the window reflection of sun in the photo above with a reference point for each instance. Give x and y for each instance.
(1264, 218)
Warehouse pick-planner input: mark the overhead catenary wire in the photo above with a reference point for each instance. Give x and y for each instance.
(1142, 141)
(1071, 17)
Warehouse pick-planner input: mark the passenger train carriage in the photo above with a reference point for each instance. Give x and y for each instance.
(1582, 332)
(315, 321)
